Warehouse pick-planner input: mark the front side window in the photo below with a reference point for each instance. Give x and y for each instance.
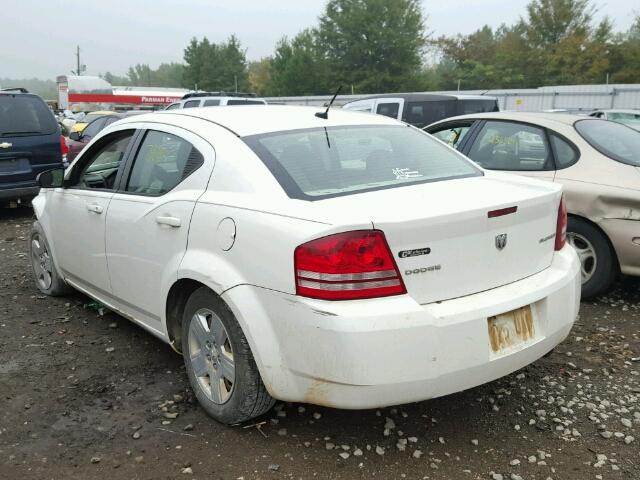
(191, 104)
(511, 146)
(616, 141)
(388, 109)
(319, 163)
(452, 134)
(162, 162)
(98, 168)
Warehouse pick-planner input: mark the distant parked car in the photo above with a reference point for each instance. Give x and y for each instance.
(421, 109)
(597, 162)
(216, 99)
(630, 118)
(77, 140)
(30, 143)
(88, 118)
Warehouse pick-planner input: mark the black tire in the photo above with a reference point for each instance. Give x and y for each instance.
(248, 397)
(39, 254)
(606, 268)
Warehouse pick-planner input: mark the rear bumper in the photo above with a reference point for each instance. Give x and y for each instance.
(18, 192)
(625, 237)
(374, 353)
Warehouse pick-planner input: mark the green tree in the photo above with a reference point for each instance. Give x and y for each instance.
(299, 66)
(550, 21)
(259, 75)
(374, 45)
(625, 55)
(215, 66)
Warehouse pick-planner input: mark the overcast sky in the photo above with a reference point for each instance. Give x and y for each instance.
(38, 37)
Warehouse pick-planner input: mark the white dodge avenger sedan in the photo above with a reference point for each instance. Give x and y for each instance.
(351, 261)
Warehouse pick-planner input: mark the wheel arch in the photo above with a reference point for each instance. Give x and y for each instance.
(177, 298)
(602, 231)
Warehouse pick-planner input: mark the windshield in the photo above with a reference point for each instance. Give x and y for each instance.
(612, 139)
(325, 162)
(628, 118)
(24, 115)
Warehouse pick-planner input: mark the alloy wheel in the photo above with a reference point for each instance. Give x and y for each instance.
(41, 261)
(211, 356)
(586, 253)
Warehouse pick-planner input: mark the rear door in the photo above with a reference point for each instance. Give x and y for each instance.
(513, 147)
(148, 218)
(29, 139)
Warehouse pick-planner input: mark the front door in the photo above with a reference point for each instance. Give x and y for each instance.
(148, 218)
(78, 212)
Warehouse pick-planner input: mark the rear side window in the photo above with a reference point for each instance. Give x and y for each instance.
(25, 115)
(388, 109)
(476, 106)
(211, 103)
(616, 141)
(326, 162)
(422, 114)
(162, 162)
(566, 155)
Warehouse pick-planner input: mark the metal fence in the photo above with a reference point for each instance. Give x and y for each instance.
(569, 97)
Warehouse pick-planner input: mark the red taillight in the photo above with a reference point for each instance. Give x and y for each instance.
(64, 149)
(347, 266)
(561, 228)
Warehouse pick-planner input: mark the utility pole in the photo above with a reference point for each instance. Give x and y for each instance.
(79, 68)
(459, 80)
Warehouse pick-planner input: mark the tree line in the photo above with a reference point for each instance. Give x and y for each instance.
(370, 46)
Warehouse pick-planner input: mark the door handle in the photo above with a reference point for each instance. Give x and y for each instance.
(95, 208)
(171, 221)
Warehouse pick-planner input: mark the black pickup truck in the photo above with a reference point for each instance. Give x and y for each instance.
(30, 143)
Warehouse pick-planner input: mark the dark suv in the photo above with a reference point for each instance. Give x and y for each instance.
(30, 143)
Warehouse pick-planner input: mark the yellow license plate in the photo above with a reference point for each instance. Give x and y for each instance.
(510, 329)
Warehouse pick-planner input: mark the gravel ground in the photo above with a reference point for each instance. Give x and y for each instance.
(91, 396)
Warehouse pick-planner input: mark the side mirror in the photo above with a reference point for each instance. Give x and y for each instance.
(53, 178)
(75, 136)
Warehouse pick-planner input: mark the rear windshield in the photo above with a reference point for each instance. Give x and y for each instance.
(25, 115)
(319, 163)
(612, 139)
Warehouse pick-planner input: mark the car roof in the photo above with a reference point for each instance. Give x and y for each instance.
(619, 110)
(101, 112)
(541, 117)
(244, 120)
(424, 97)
